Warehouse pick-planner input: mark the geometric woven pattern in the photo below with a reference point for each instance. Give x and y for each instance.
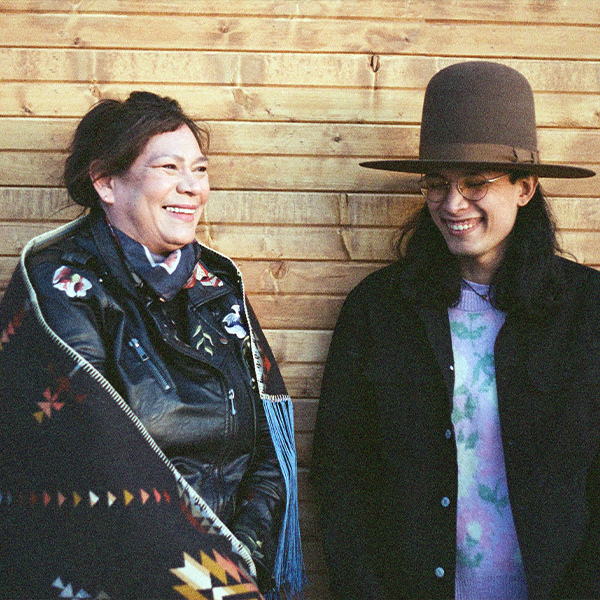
(88, 498)
(67, 591)
(213, 579)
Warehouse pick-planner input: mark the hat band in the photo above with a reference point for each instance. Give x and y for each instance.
(478, 153)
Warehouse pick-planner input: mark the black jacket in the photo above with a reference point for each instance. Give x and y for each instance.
(201, 407)
(383, 459)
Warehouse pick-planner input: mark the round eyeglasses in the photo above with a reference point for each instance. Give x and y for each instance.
(471, 187)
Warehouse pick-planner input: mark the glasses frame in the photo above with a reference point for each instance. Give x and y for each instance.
(486, 182)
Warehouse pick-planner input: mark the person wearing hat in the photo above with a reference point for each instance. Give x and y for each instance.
(456, 450)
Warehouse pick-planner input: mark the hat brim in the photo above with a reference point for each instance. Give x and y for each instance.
(428, 166)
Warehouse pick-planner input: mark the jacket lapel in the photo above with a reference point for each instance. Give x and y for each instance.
(437, 326)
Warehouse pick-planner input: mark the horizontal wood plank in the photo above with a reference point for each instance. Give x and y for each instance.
(37, 204)
(94, 67)
(299, 346)
(308, 243)
(298, 311)
(268, 104)
(300, 34)
(14, 236)
(566, 11)
(301, 139)
(245, 172)
(300, 243)
(287, 208)
(357, 243)
(376, 210)
(303, 380)
(294, 277)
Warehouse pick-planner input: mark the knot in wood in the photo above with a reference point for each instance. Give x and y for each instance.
(279, 269)
(374, 62)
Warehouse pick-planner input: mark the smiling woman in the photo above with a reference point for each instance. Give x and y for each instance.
(163, 333)
(158, 201)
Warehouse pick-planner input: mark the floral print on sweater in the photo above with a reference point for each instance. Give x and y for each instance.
(488, 559)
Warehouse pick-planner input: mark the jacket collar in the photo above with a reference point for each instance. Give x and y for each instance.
(435, 321)
(107, 248)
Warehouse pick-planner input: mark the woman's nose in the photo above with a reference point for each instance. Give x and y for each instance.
(190, 183)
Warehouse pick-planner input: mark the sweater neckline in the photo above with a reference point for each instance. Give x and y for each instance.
(474, 297)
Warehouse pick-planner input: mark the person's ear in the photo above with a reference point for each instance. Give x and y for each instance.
(103, 184)
(527, 186)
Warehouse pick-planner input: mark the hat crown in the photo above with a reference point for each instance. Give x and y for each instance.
(478, 103)
(479, 115)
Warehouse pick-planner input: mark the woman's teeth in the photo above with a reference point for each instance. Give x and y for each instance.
(185, 211)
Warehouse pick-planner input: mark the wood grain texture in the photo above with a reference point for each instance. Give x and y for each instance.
(298, 34)
(585, 12)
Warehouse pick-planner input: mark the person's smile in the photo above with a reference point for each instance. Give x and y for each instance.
(182, 211)
(461, 226)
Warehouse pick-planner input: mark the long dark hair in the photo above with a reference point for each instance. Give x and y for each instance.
(114, 133)
(527, 278)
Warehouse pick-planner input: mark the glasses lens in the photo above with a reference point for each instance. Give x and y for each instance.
(473, 188)
(435, 189)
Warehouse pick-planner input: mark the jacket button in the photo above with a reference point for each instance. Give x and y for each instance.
(445, 501)
(448, 433)
(439, 572)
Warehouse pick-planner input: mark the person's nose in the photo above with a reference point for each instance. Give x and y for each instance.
(190, 183)
(454, 200)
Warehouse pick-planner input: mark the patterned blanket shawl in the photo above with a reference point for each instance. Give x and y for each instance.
(89, 505)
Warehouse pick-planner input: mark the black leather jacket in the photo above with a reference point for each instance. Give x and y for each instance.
(201, 407)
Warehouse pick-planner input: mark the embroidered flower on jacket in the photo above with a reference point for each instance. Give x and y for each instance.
(72, 284)
(233, 322)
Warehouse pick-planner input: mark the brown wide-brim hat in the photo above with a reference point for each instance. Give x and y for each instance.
(479, 115)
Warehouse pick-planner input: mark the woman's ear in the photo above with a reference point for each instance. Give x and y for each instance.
(103, 184)
(527, 186)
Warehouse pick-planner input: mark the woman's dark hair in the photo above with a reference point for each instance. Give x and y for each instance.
(527, 277)
(114, 133)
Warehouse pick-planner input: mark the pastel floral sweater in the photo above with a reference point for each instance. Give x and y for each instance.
(488, 560)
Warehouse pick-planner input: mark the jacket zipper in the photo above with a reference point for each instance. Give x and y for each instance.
(231, 395)
(136, 346)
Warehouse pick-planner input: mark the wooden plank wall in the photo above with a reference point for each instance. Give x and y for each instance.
(295, 94)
